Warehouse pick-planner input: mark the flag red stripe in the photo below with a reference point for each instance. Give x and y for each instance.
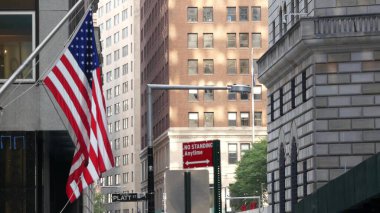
(73, 98)
(76, 79)
(68, 114)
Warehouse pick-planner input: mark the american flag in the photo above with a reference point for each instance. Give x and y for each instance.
(75, 83)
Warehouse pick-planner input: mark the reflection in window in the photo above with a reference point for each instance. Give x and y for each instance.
(207, 14)
(231, 40)
(208, 66)
(231, 66)
(244, 147)
(232, 153)
(209, 95)
(243, 13)
(243, 39)
(193, 119)
(232, 119)
(192, 66)
(258, 118)
(231, 13)
(193, 95)
(209, 119)
(244, 118)
(192, 40)
(192, 14)
(16, 43)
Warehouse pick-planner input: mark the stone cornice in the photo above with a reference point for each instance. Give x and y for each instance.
(310, 35)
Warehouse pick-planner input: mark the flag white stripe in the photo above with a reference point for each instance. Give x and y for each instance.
(70, 104)
(75, 89)
(78, 70)
(74, 187)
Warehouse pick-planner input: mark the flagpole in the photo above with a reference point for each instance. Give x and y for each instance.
(38, 49)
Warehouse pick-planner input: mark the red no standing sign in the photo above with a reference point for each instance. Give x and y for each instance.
(197, 154)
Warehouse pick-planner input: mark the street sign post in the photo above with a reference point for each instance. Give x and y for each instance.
(128, 197)
(197, 154)
(205, 154)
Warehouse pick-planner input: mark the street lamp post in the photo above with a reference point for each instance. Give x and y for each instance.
(232, 88)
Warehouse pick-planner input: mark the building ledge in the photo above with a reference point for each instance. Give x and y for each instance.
(314, 34)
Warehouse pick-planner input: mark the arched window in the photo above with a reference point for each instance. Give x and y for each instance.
(293, 171)
(282, 179)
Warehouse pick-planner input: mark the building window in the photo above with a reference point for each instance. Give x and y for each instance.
(110, 128)
(243, 39)
(231, 66)
(193, 95)
(109, 111)
(117, 126)
(125, 68)
(125, 87)
(109, 76)
(117, 144)
(125, 123)
(231, 96)
(232, 153)
(208, 95)
(116, 55)
(193, 119)
(192, 66)
(124, 33)
(293, 92)
(192, 14)
(231, 119)
(243, 13)
(192, 40)
(274, 31)
(258, 119)
(244, 96)
(125, 105)
(125, 141)
(124, 14)
(208, 40)
(244, 147)
(305, 5)
(256, 13)
(108, 41)
(231, 40)
(294, 173)
(18, 38)
(256, 40)
(282, 178)
(124, 51)
(117, 90)
(208, 66)
(271, 107)
(117, 161)
(117, 73)
(244, 66)
(108, 59)
(208, 14)
(108, 94)
(116, 20)
(257, 92)
(108, 24)
(117, 108)
(231, 13)
(244, 118)
(281, 101)
(209, 119)
(304, 86)
(108, 7)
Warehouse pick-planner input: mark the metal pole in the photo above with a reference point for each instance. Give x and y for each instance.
(150, 87)
(38, 49)
(150, 195)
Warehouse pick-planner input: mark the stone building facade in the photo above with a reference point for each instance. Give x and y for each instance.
(323, 80)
